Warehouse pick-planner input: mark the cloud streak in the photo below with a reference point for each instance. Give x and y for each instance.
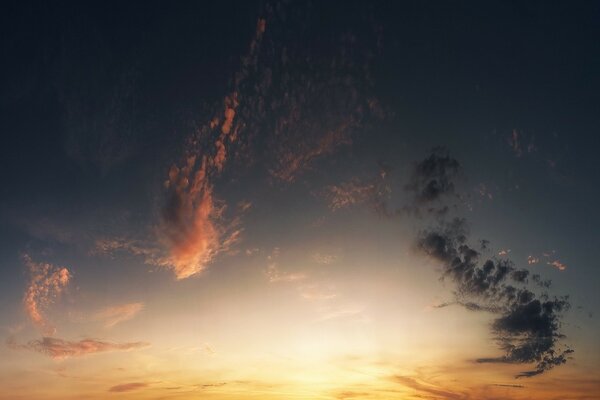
(112, 316)
(60, 349)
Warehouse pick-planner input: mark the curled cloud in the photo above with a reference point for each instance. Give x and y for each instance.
(111, 316)
(59, 349)
(46, 283)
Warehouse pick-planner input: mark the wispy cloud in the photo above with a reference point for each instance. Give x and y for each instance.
(59, 349)
(274, 273)
(111, 316)
(427, 389)
(128, 387)
(558, 265)
(46, 283)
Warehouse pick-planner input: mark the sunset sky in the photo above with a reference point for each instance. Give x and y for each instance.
(300, 200)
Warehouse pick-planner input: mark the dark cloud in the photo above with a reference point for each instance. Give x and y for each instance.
(527, 327)
(432, 179)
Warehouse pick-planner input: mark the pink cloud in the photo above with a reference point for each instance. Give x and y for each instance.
(59, 349)
(46, 283)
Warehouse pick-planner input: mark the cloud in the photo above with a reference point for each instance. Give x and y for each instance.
(428, 389)
(503, 253)
(558, 265)
(324, 259)
(189, 228)
(59, 349)
(431, 181)
(293, 160)
(526, 326)
(192, 228)
(373, 193)
(128, 387)
(116, 314)
(46, 284)
(515, 142)
(532, 260)
(317, 291)
(274, 274)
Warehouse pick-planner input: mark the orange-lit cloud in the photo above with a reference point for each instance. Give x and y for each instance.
(293, 160)
(349, 194)
(558, 265)
(59, 349)
(128, 387)
(191, 227)
(116, 314)
(46, 283)
(532, 260)
(317, 291)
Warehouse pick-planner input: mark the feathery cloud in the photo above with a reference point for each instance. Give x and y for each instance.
(59, 349)
(111, 316)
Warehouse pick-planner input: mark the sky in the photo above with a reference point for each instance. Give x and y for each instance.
(299, 200)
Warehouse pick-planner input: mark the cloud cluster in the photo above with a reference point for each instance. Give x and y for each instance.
(527, 326)
(46, 283)
(431, 181)
(59, 349)
(433, 177)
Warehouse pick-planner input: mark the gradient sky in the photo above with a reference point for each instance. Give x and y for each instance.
(300, 200)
